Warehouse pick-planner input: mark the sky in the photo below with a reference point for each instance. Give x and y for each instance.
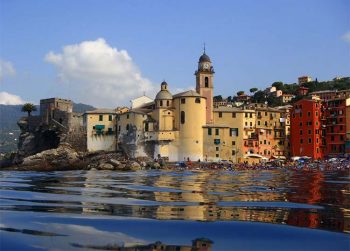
(105, 53)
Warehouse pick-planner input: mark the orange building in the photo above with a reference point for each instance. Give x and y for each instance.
(306, 130)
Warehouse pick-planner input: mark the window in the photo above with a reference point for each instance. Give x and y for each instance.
(316, 114)
(301, 141)
(233, 152)
(182, 117)
(118, 128)
(233, 143)
(206, 82)
(220, 114)
(217, 155)
(183, 101)
(317, 150)
(127, 127)
(300, 114)
(309, 140)
(308, 114)
(258, 122)
(246, 115)
(316, 140)
(209, 131)
(316, 123)
(127, 116)
(332, 138)
(265, 123)
(233, 115)
(309, 131)
(100, 117)
(217, 148)
(234, 132)
(301, 124)
(161, 103)
(216, 131)
(110, 117)
(146, 127)
(301, 132)
(250, 115)
(251, 123)
(264, 141)
(167, 103)
(198, 100)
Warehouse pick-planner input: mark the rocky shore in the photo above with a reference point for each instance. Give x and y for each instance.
(64, 157)
(49, 148)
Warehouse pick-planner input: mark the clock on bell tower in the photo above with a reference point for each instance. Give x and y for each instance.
(204, 84)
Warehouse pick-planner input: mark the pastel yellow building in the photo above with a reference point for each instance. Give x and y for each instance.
(100, 127)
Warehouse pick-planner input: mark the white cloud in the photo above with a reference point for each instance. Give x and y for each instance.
(98, 74)
(10, 99)
(6, 69)
(346, 37)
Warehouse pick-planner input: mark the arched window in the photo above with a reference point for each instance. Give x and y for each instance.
(161, 103)
(182, 117)
(206, 82)
(127, 127)
(167, 103)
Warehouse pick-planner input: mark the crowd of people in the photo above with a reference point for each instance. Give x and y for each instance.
(323, 165)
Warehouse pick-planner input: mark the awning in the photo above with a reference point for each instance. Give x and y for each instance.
(279, 157)
(252, 155)
(99, 127)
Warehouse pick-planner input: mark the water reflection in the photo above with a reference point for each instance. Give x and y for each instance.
(311, 199)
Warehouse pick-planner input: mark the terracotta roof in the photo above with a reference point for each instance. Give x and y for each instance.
(190, 93)
(102, 111)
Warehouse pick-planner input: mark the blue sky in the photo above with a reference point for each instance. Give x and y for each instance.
(107, 52)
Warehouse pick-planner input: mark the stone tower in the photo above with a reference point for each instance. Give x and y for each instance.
(204, 84)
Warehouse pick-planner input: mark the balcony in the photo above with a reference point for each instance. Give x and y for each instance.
(160, 136)
(249, 128)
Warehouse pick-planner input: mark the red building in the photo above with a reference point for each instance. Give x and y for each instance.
(334, 121)
(303, 90)
(305, 135)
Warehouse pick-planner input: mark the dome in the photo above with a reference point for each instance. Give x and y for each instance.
(164, 93)
(204, 58)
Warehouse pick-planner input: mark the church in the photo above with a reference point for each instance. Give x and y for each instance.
(182, 126)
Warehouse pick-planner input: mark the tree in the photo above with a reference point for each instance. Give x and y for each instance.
(217, 98)
(29, 108)
(229, 99)
(278, 85)
(253, 90)
(240, 93)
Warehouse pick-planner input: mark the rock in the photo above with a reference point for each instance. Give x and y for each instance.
(156, 165)
(106, 166)
(114, 162)
(61, 157)
(134, 166)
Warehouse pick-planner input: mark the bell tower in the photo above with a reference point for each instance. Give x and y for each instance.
(204, 84)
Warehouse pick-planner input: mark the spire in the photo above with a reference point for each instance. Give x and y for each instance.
(204, 48)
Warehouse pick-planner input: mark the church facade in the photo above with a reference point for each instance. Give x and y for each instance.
(183, 126)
